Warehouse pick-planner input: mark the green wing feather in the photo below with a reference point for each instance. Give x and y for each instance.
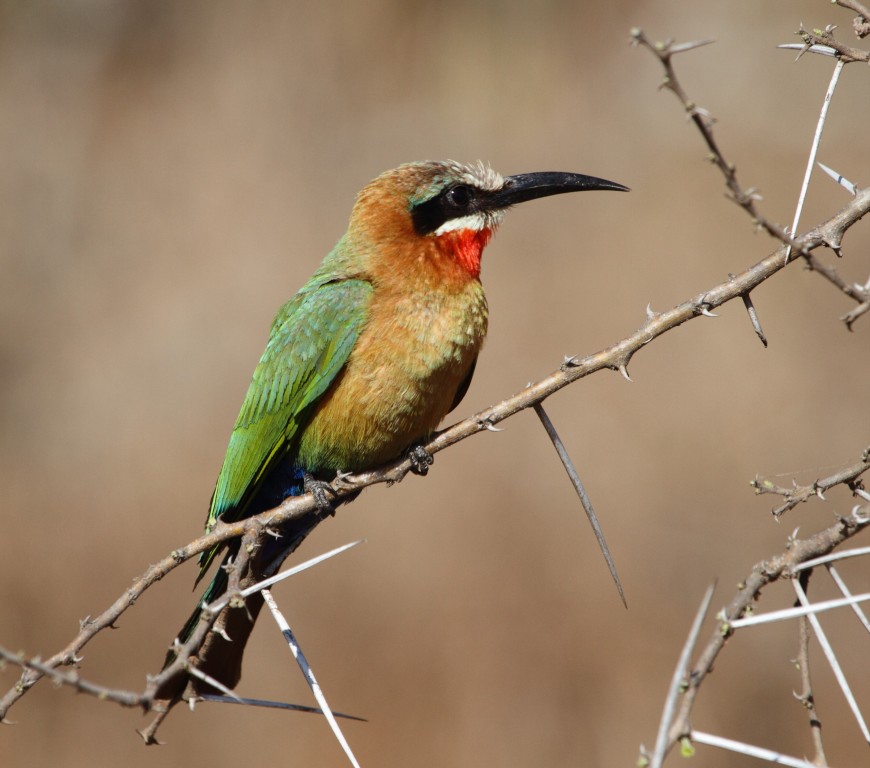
(310, 341)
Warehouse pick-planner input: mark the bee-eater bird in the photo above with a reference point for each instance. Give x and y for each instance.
(364, 361)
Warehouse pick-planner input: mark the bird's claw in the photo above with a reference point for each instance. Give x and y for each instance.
(420, 460)
(322, 493)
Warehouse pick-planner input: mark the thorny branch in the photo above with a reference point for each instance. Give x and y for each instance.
(703, 121)
(747, 198)
(763, 573)
(826, 37)
(800, 493)
(616, 357)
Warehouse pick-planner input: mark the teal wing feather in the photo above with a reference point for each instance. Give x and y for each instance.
(310, 341)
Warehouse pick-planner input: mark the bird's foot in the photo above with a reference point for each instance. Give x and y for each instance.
(322, 493)
(420, 460)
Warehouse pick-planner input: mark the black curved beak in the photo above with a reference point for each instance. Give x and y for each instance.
(530, 186)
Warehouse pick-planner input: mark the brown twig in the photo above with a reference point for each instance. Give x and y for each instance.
(853, 314)
(825, 36)
(806, 697)
(745, 198)
(856, 292)
(798, 494)
(72, 679)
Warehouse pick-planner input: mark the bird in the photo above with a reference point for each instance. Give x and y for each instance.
(362, 364)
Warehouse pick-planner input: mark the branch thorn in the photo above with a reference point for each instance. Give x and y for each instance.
(753, 317)
(488, 425)
(839, 179)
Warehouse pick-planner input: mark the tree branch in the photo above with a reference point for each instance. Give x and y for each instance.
(763, 573)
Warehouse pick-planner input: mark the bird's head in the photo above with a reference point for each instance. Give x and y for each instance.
(452, 209)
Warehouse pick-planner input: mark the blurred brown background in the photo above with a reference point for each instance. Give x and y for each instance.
(172, 172)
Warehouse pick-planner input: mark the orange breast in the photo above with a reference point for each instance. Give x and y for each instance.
(400, 380)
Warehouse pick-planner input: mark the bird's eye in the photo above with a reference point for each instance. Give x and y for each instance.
(459, 197)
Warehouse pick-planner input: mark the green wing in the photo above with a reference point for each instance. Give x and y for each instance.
(309, 343)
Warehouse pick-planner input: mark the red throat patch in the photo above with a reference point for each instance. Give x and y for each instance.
(466, 247)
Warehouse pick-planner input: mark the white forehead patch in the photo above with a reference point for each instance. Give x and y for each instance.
(477, 174)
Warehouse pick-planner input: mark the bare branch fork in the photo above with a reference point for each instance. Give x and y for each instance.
(615, 357)
(676, 725)
(747, 198)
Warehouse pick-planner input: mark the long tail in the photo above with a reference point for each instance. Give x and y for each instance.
(220, 656)
(215, 589)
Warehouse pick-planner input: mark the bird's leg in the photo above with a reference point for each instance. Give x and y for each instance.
(420, 460)
(322, 493)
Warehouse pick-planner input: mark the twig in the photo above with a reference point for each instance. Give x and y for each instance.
(853, 314)
(798, 494)
(73, 680)
(806, 695)
(825, 36)
(746, 199)
(856, 292)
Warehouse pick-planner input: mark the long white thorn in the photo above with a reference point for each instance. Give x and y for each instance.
(813, 150)
(841, 585)
(699, 737)
(793, 613)
(309, 675)
(192, 670)
(822, 50)
(841, 555)
(219, 605)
